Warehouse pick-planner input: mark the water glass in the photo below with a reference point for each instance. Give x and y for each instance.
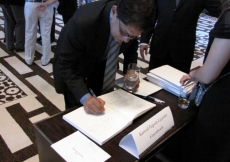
(185, 91)
(132, 76)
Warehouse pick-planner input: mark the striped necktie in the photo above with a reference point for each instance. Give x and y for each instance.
(111, 67)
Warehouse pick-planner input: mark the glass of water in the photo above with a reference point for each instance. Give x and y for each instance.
(185, 91)
(132, 76)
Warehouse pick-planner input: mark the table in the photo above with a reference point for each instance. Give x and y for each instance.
(53, 129)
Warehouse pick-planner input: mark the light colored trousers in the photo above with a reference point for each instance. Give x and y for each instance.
(45, 19)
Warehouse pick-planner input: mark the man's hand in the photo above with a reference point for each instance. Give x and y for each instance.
(93, 105)
(143, 50)
(41, 7)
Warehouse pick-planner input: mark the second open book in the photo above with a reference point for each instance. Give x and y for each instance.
(121, 109)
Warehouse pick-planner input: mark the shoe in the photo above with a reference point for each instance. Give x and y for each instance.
(51, 61)
(51, 39)
(29, 64)
(19, 49)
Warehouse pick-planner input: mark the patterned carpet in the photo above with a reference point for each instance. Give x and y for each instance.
(27, 93)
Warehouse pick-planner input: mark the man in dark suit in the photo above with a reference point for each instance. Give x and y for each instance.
(67, 8)
(81, 54)
(174, 35)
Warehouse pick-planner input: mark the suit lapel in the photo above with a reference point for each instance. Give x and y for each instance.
(173, 3)
(180, 3)
(102, 36)
(95, 80)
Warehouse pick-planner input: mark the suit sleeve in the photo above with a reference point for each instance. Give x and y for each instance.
(213, 7)
(72, 49)
(130, 55)
(146, 35)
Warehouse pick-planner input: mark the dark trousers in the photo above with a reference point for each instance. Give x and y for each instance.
(156, 62)
(14, 26)
(52, 33)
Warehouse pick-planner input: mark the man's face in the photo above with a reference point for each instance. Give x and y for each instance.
(120, 31)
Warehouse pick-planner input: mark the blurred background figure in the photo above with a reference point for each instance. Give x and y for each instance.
(14, 23)
(52, 33)
(207, 140)
(42, 11)
(174, 34)
(66, 8)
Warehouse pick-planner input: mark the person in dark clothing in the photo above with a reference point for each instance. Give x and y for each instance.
(67, 8)
(81, 57)
(14, 25)
(207, 140)
(174, 33)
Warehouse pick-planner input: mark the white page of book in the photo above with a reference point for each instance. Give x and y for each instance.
(126, 103)
(168, 73)
(120, 109)
(77, 147)
(163, 83)
(99, 128)
(145, 88)
(169, 89)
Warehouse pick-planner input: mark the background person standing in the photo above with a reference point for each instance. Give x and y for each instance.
(66, 8)
(174, 33)
(34, 11)
(14, 23)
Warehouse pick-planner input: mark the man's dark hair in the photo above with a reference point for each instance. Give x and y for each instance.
(139, 13)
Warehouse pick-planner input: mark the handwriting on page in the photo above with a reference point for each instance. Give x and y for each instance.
(123, 101)
(106, 123)
(126, 103)
(99, 128)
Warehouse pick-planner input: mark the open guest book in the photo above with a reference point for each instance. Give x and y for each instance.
(121, 108)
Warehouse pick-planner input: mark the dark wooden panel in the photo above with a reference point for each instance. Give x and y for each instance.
(55, 128)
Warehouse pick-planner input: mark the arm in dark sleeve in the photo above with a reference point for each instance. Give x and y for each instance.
(146, 35)
(72, 50)
(130, 55)
(213, 7)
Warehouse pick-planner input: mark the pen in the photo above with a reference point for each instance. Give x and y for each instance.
(92, 93)
(156, 99)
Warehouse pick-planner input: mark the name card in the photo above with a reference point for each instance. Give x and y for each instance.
(137, 141)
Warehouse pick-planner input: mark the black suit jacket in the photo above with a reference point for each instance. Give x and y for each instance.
(175, 30)
(67, 7)
(79, 60)
(14, 2)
